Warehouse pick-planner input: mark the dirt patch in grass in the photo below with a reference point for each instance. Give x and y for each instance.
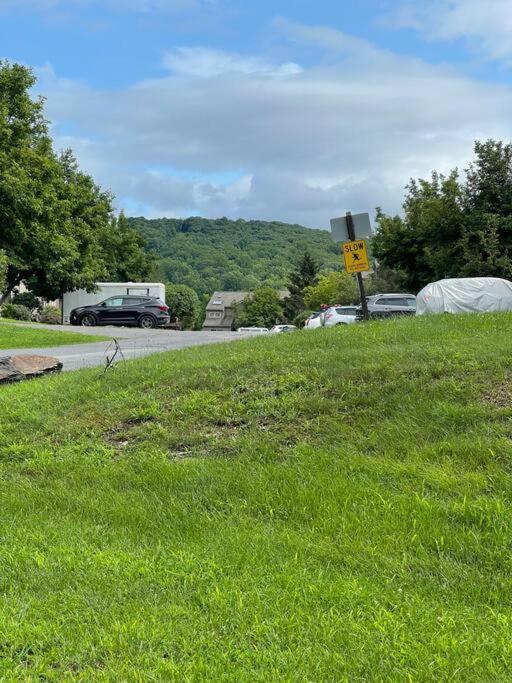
(500, 395)
(120, 434)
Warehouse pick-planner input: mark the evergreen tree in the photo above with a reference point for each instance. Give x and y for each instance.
(304, 275)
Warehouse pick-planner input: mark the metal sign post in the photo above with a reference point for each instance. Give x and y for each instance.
(359, 277)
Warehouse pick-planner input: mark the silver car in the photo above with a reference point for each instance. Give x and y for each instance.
(339, 315)
(388, 305)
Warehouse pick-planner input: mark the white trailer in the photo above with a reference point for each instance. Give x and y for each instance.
(80, 297)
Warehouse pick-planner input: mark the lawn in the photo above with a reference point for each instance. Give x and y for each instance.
(19, 336)
(332, 505)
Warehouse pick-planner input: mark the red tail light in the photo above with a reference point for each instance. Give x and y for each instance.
(165, 309)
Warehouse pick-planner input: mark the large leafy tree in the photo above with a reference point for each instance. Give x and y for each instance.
(57, 226)
(262, 308)
(453, 226)
(331, 288)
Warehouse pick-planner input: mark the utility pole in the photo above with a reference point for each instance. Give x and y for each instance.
(359, 277)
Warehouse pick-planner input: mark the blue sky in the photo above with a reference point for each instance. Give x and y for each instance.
(290, 110)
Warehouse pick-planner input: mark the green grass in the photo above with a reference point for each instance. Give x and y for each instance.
(325, 506)
(19, 336)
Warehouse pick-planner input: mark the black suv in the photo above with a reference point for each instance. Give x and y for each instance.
(388, 305)
(144, 311)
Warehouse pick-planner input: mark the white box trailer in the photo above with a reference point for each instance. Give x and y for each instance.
(80, 297)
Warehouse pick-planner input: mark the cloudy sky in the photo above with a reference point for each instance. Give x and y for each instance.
(274, 109)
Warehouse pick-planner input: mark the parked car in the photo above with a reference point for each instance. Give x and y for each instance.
(388, 306)
(144, 311)
(253, 330)
(339, 315)
(314, 321)
(278, 329)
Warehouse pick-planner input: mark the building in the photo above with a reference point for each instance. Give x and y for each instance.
(220, 312)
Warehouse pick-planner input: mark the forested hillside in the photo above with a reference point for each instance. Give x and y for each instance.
(211, 255)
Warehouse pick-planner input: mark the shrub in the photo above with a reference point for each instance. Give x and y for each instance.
(183, 304)
(50, 315)
(301, 318)
(16, 312)
(27, 299)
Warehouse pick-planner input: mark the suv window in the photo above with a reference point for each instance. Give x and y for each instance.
(346, 311)
(410, 303)
(133, 301)
(114, 302)
(390, 301)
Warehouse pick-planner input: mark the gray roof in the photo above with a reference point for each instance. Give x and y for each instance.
(229, 299)
(226, 299)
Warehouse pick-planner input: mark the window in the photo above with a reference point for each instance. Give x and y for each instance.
(346, 311)
(411, 303)
(133, 301)
(114, 302)
(215, 314)
(389, 301)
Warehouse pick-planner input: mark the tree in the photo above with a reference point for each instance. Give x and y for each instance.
(124, 252)
(453, 227)
(425, 244)
(3, 271)
(304, 275)
(183, 303)
(332, 288)
(57, 226)
(262, 308)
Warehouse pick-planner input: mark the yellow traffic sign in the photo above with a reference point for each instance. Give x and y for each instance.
(356, 256)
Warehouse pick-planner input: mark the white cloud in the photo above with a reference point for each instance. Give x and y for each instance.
(206, 63)
(485, 24)
(221, 135)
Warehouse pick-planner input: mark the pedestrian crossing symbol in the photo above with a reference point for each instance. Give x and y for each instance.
(356, 256)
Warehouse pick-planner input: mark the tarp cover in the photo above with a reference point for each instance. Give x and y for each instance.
(465, 295)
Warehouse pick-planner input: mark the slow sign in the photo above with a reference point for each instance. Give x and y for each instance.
(356, 256)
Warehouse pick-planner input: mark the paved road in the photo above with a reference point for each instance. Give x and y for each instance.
(134, 343)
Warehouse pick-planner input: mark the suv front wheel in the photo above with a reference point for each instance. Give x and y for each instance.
(88, 320)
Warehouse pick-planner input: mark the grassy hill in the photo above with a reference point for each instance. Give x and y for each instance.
(328, 505)
(211, 255)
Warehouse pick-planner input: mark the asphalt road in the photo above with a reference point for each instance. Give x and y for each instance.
(134, 343)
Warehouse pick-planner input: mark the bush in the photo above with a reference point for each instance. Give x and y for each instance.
(50, 315)
(301, 318)
(16, 312)
(28, 300)
(183, 303)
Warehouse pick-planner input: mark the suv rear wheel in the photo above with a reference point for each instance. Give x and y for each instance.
(147, 322)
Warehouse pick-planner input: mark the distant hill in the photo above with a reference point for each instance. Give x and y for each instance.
(221, 254)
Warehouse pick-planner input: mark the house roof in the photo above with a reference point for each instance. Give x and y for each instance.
(222, 300)
(226, 299)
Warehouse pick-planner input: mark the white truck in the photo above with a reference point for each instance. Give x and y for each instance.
(80, 297)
